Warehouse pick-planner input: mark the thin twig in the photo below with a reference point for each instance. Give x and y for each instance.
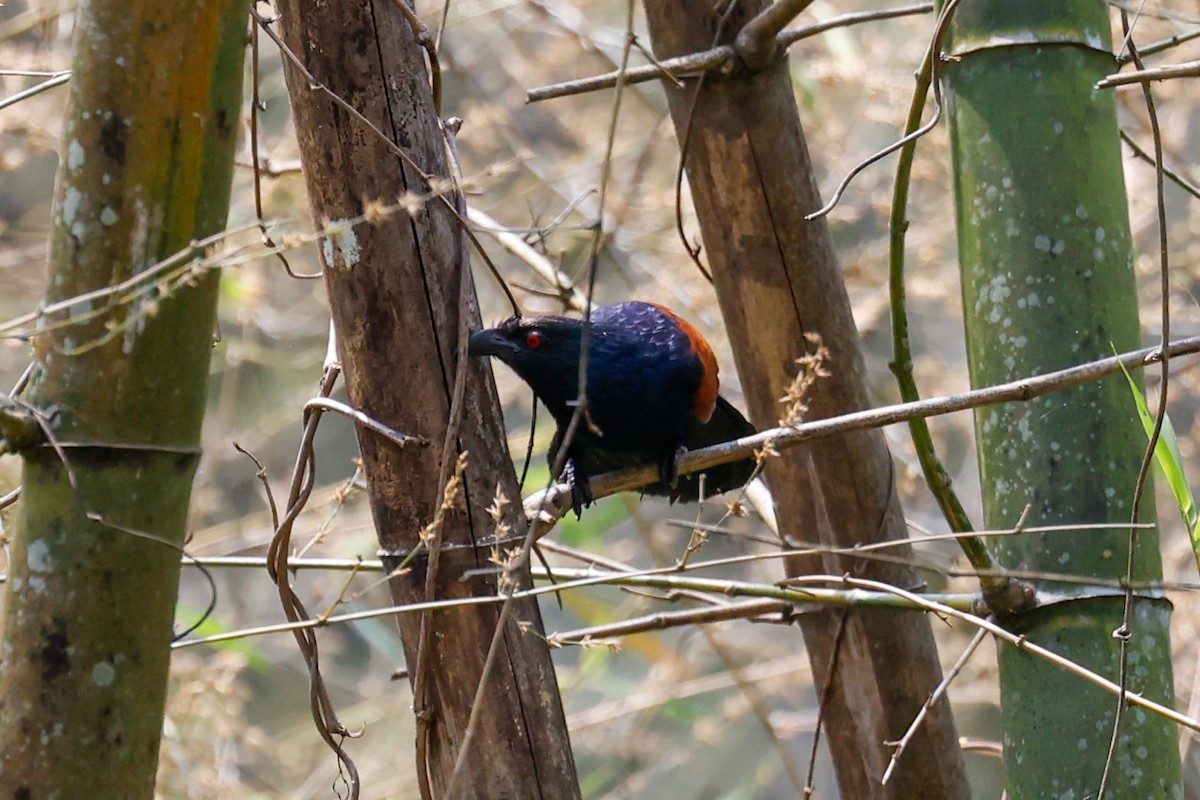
(1154, 48)
(1177, 178)
(597, 560)
(23, 381)
(30, 73)
(1127, 27)
(936, 476)
(685, 146)
(425, 41)
(667, 579)
(10, 498)
(256, 106)
(930, 702)
(1153, 588)
(1124, 633)
(736, 673)
(174, 261)
(987, 747)
(823, 701)
(367, 421)
(564, 287)
(269, 168)
(431, 541)
(932, 57)
(759, 610)
(715, 58)
(1188, 69)
(800, 590)
(325, 718)
(58, 80)
(1020, 642)
(1154, 13)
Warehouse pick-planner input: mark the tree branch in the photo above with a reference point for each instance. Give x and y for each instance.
(718, 58)
(547, 506)
(1188, 69)
(757, 43)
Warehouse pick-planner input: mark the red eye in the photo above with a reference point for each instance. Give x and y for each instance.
(533, 339)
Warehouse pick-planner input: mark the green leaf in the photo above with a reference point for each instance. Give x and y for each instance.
(1166, 453)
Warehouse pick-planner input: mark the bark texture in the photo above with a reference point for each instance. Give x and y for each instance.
(394, 289)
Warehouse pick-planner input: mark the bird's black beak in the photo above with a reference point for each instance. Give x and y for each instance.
(490, 342)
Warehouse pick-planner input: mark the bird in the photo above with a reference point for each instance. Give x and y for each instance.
(652, 394)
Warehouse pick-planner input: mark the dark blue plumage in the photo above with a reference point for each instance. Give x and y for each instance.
(651, 392)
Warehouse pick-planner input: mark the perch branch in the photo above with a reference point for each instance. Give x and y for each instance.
(548, 505)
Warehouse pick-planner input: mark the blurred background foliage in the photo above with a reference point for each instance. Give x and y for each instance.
(685, 713)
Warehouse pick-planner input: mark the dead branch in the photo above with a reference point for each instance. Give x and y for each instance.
(1188, 69)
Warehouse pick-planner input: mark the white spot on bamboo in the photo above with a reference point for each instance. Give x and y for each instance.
(103, 674)
(38, 556)
(75, 155)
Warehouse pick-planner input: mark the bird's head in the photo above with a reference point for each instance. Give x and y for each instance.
(543, 351)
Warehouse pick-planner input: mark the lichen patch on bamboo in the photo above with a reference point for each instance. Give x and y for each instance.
(103, 674)
(340, 247)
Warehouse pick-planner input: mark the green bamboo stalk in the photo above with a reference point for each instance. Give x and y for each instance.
(145, 169)
(1047, 274)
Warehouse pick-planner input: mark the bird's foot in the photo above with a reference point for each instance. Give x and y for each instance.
(668, 468)
(581, 488)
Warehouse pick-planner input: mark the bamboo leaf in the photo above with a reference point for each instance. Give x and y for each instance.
(1170, 461)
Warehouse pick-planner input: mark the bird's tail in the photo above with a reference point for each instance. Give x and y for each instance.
(726, 424)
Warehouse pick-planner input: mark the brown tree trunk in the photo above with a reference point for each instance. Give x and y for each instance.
(777, 279)
(394, 289)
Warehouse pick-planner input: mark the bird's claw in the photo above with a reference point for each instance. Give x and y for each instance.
(668, 468)
(581, 488)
